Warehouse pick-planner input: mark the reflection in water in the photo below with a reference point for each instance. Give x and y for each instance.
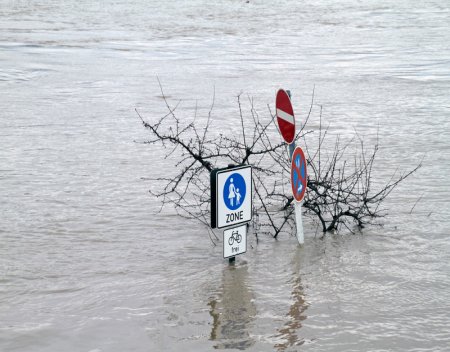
(288, 333)
(232, 311)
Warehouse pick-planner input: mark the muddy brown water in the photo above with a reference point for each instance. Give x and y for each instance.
(86, 264)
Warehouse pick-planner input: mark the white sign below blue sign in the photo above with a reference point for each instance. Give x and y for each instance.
(235, 241)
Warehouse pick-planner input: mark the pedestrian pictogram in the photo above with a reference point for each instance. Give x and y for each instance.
(298, 174)
(234, 191)
(285, 116)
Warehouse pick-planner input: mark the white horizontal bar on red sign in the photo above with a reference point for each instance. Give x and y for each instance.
(285, 116)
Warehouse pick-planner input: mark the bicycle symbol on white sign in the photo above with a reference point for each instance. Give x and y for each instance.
(235, 241)
(235, 236)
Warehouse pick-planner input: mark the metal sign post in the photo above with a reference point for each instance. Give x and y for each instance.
(231, 205)
(286, 125)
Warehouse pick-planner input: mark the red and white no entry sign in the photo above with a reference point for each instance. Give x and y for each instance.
(285, 116)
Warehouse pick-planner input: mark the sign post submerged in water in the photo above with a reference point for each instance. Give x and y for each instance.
(231, 205)
(286, 125)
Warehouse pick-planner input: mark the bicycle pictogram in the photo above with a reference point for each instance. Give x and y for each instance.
(235, 236)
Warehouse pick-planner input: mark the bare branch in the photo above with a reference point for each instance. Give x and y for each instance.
(339, 192)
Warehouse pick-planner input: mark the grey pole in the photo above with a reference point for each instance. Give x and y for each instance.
(232, 259)
(297, 206)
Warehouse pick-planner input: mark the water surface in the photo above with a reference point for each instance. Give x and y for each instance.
(86, 264)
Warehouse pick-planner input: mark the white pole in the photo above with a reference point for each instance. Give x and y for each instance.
(299, 222)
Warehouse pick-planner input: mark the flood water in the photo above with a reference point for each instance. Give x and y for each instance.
(87, 263)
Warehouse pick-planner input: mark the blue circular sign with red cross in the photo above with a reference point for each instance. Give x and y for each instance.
(298, 174)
